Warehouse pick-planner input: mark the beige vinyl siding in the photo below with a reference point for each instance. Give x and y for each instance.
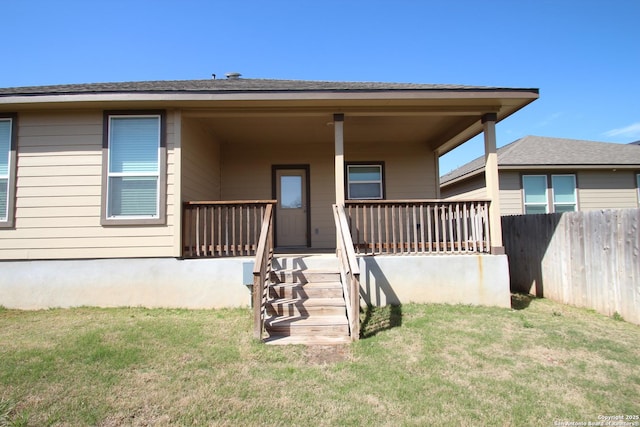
(200, 163)
(475, 188)
(246, 175)
(58, 194)
(510, 193)
(607, 190)
(409, 168)
(469, 189)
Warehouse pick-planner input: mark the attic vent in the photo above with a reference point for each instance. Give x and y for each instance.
(233, 76)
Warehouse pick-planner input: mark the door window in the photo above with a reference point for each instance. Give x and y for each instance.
(290, 192)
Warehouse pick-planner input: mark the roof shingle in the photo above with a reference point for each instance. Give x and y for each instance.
(553, 152)
(231, 85)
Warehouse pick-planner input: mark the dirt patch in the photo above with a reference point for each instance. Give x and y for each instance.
(327, 354)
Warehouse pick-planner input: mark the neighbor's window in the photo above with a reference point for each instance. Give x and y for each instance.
(638, 187)
(135, 170)
(535, 194)
(7, 168)
(564, 193)
(365, 181)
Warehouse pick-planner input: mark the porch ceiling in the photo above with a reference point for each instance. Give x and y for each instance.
(318, 128)
(442, 121)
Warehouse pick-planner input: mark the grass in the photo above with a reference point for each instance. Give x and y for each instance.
(418, 365)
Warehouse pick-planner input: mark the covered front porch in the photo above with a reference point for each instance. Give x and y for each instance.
(381, 166)
(285, 181)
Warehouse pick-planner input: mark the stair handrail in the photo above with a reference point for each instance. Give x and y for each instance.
(262, 272)
(349, 270)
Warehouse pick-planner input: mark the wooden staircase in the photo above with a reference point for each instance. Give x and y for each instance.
(305, 302)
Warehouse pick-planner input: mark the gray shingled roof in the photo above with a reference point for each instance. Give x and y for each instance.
(554, 152)
(232, 85)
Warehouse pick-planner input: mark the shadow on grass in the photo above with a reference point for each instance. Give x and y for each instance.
(378, 319)
(521, 301)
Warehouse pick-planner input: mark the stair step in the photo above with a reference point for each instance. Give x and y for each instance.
(307, 340)
(326, 261)
(304, 276)
(306, 303)
(306, 306)
(329, 326)
(306, 290)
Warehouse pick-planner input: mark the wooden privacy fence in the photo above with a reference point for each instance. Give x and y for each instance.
(419, 226)
(587, 259)
(219, 229)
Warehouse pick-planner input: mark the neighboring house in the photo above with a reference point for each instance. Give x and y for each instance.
(158, 193)
(545, 175)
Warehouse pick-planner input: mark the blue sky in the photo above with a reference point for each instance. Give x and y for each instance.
(584, 56)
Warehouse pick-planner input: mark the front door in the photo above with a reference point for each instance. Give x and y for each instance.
(291, 185)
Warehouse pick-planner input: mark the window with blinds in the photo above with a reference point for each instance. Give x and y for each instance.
(5, 164)
(8, 146)
(365, 181)
(135, 167)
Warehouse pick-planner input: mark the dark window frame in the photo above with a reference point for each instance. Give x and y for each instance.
(383, 177)
(9, 222)
(162, 178)
(274, 195)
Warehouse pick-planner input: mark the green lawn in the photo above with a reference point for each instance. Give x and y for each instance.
(418, 365)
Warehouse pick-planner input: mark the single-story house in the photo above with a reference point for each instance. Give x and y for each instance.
(545, 175)
(180, 193)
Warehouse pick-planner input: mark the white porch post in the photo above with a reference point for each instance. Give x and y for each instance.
(338, 126)
(491, 178)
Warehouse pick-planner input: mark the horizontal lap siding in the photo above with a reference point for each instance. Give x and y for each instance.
(469, 189)
(409, 167)
(200, 163)
(58, 194)
(607, 190)
(510, 193)
(246, 175)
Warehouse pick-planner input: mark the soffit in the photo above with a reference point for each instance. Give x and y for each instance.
(319, 129)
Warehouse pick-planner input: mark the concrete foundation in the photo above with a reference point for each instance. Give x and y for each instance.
(218, 283)
(448, 279)
(156, 282)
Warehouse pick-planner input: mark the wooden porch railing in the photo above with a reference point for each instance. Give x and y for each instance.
(262, 272)
(419, 226)
(222, 228)
(349, 271)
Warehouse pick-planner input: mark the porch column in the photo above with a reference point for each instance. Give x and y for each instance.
(491, 179)
(338, 126)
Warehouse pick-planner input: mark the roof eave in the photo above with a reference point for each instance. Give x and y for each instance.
(582, 166)
(464, 177)
(477, 128)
